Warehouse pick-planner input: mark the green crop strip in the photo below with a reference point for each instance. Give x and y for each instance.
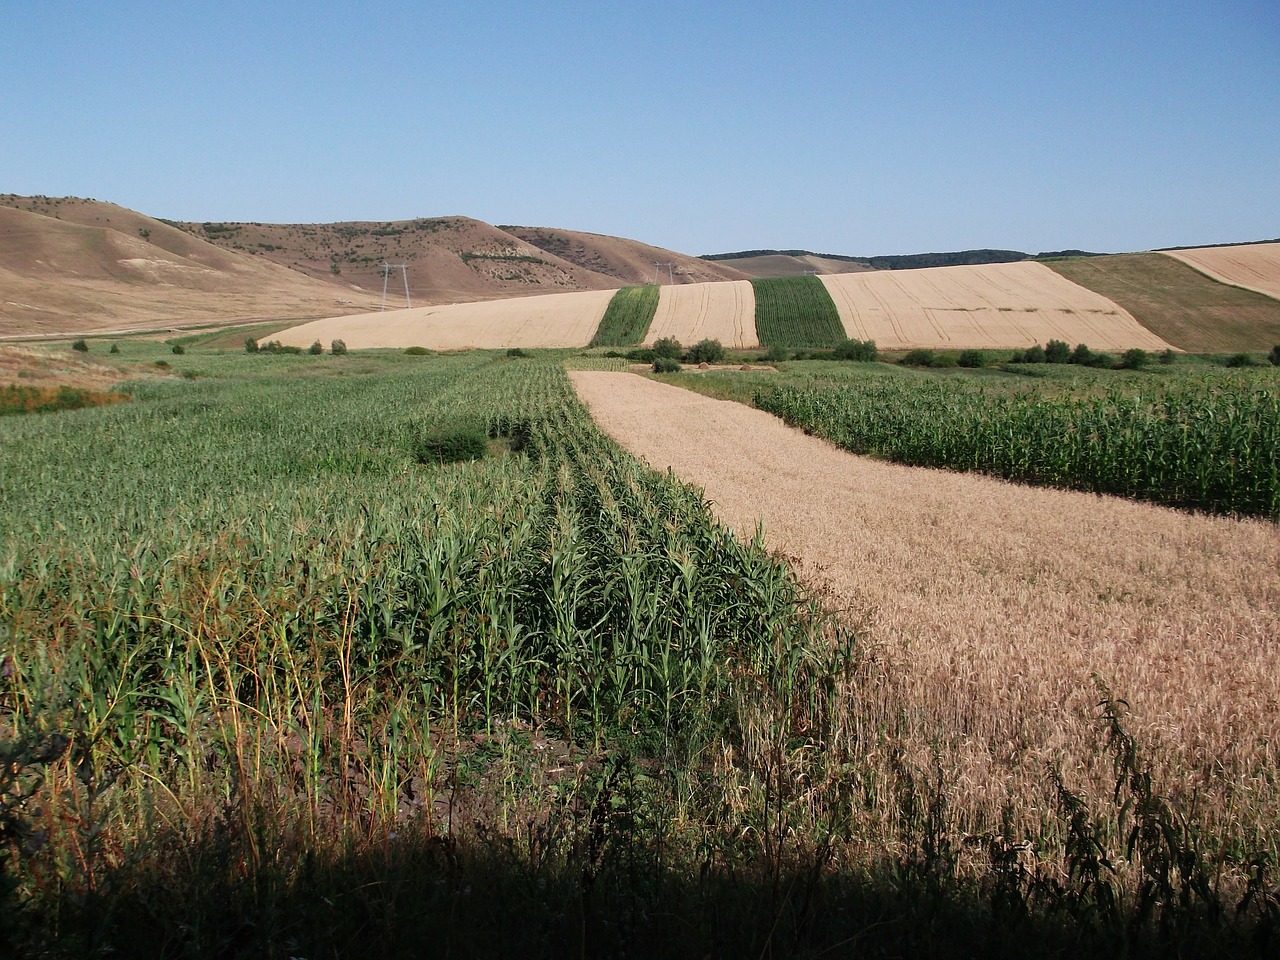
(627, 317)
(1212, 446)
(796, 312)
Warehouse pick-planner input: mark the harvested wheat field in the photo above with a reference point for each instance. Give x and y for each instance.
(988, 607)
(724, 311)
(553, 320)
(1253, 266)
(992, 305)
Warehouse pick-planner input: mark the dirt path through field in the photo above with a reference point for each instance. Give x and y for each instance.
(994, 603)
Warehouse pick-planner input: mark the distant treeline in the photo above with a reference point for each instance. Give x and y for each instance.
(1205, 246)
(914, 260)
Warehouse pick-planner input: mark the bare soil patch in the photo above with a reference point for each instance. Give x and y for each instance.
(990, 607)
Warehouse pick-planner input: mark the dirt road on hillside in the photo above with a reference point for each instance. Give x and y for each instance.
(991, 604)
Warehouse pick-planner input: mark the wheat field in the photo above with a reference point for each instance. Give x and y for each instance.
(990, 609)
(992, 305)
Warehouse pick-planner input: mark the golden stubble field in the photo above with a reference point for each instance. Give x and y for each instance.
(1254, 266)
(988, 608)
(724, 311)
(551, 320)
(992, 305)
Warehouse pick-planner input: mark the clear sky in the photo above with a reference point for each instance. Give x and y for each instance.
(856, 128)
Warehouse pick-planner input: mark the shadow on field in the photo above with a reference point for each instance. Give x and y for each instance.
(489, 896)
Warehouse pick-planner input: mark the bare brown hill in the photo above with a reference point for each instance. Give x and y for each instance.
(74, 266)
(457, 259)
(787, 265)
(628, 261)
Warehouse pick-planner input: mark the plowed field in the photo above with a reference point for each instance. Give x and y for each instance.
(993, 305)
(555, 320)
(1254, 266)
(700, 311)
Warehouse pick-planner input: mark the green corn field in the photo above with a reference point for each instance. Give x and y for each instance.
(796, 312)
(1212, 445)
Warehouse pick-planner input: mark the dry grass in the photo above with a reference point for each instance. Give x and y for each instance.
(992, 305)
(1179, 303)
(79, 266)
(1254, 266)
(991, 607)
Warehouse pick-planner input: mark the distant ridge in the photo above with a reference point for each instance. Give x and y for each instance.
(1212, 246)
(913, 261)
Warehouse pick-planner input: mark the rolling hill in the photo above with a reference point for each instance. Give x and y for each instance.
(74, 266)
(457, 259)
(70, 265)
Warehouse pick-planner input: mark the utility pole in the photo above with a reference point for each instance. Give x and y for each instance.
(386, 275)
(670, 273)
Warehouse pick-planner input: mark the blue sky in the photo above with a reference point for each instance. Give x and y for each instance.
(856, 128)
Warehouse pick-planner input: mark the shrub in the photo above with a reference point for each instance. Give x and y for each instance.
(115, 348)
(250, 345)
(162, 364)
(641, 355)
(450, 444)
(860, 350)
(668, 347)
(1057, 351)
(81, 346)
(316, 349)
(1134, 359)
(706, 351)
(972, 359)
(1168, 357)
(179, 349)
(418, 351)
(1034, 354)
(338, 348)
(920, 357)
(1239, 360)
(666, 365)
(1081, 355)
(1103, 361)
(777, 354)
(1273, 356)
(517, 352)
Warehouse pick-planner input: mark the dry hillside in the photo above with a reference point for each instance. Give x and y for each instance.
(71, 265)
(628, 261)
(456, 259)
(1178, 302)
